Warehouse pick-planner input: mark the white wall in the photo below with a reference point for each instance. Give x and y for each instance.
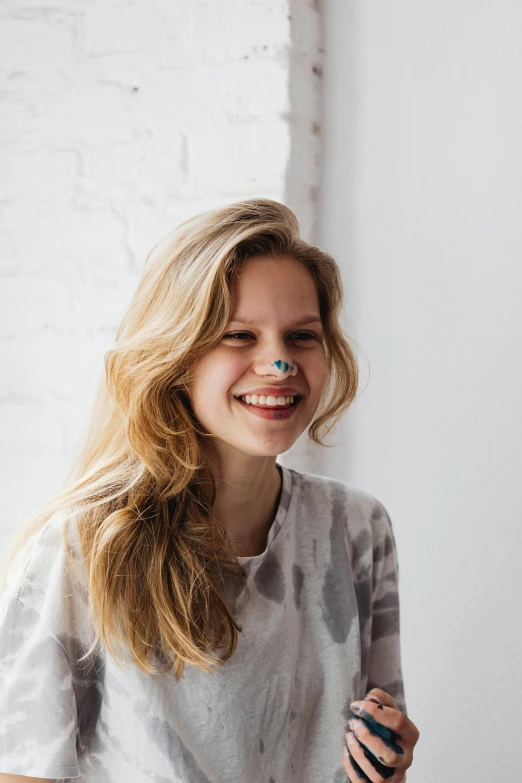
(422, 203)
(118, 121)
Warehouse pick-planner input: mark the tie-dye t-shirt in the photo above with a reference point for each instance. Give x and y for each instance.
(320, 628)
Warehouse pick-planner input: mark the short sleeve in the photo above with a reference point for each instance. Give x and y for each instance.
(385, 667)
(37, 703)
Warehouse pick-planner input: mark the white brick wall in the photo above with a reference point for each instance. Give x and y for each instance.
(118, 121)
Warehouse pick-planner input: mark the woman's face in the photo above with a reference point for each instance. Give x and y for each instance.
(284, 347)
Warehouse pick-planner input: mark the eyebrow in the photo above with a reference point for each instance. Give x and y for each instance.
(307, 319)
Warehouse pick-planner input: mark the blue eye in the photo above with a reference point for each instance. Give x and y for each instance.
(246, 334)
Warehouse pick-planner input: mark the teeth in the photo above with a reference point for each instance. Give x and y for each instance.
(260, 399)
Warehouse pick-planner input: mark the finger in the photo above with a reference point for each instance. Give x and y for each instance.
(381, 697)
(388, 736)
(385, 750)
(352, 769)
(368, 760)
(402, 727)
(369, 765)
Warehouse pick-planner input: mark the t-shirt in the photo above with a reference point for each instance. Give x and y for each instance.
(320, 628)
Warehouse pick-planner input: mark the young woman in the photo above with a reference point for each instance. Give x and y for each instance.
(187, 609)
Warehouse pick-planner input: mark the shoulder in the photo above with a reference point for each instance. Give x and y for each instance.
(49, 577)
(337, 497)
(340, 504)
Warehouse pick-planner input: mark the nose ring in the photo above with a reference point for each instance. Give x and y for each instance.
(283, 366)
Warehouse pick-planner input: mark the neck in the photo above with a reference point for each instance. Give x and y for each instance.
(247, 497)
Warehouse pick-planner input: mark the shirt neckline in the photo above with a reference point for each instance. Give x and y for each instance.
(277, 523)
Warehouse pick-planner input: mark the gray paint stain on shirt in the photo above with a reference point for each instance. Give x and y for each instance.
(270, 579)
(298, 580)
(340, 776)
(337, 590)
(88, 677)
(163, 736)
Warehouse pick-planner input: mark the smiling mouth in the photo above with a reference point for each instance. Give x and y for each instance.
(273, 413)
(264, 406)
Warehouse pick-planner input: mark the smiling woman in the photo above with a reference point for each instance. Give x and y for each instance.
(187, 606)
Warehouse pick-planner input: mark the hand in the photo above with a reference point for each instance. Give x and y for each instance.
(380, 741)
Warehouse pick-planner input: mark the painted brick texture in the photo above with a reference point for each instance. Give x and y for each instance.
(120, 119)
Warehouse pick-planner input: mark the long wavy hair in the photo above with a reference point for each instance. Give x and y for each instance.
(141, 491)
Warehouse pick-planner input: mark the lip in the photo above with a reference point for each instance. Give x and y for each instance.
(275, 414)
(275, 391)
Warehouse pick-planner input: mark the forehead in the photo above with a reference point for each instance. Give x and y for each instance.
(273, 283)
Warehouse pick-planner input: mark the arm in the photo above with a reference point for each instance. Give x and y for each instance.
(38, 716)
(385, 665)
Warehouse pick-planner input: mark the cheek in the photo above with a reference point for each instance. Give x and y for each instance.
(317, 369)
(212, 385)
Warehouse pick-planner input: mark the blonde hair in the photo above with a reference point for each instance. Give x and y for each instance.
(156, 558)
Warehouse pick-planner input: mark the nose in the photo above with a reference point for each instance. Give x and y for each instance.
(273, 358)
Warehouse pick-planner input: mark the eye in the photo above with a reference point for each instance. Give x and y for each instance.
(233, 335)
(307, 334)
